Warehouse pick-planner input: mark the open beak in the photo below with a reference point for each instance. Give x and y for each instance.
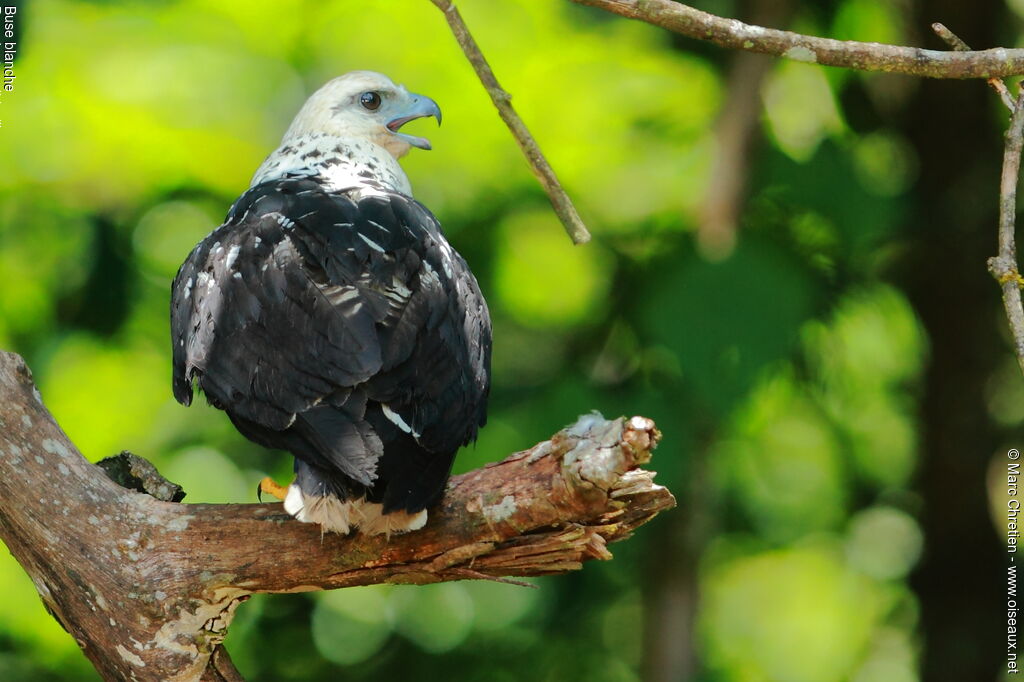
(419, 107)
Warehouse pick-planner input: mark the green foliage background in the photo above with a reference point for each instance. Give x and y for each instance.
(788, 377)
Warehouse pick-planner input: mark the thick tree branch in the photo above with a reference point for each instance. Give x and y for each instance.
(730, 33)
(502, 100)
(148, 587)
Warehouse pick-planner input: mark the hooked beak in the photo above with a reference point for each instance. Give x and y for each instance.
(419, 106)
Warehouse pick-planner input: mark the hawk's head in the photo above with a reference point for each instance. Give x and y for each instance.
(365, 105)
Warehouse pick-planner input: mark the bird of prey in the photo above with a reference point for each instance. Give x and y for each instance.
(329, 316)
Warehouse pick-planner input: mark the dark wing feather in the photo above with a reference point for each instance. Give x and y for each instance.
(265, 338)
(307, 312)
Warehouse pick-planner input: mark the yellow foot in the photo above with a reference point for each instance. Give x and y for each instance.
(271, 487)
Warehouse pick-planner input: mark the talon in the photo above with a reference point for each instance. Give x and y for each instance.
(271, 487)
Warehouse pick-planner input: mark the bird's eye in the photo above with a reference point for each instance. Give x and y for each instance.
(370, 100)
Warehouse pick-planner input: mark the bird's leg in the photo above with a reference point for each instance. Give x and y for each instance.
(271, 487)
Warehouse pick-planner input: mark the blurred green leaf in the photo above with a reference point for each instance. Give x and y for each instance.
(800, 108)
(166, 234)
(783, 463)
(868, 21)
(884, 542)
(822, 616)
(105, 397)
(542, 279)
(727, 321)
(351, 625)
(885, 163)
(436, 618)
(892, 658)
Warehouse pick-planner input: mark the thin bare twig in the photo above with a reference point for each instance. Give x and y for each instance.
(1004, 266)
(477, 575)
(849, 54)
(954, 41)
(503, 101)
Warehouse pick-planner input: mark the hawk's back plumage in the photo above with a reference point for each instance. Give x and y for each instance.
(341, 326)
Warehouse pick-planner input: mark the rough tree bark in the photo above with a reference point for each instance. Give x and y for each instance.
(148, 588)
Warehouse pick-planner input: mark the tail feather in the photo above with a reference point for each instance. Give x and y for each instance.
(409, 477)
(345, 456)
(351, 445)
